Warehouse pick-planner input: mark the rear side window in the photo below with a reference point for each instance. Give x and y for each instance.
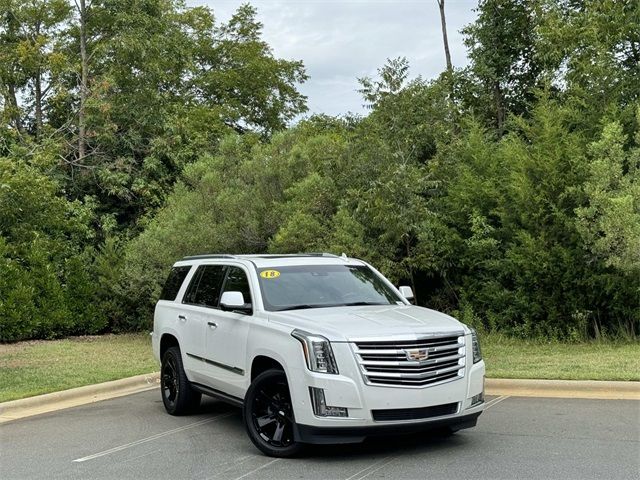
(205, 286)
(192, 289)
(174, 282)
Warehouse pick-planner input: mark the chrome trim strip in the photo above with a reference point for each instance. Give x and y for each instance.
(414, 376)
(407, 338)
(440, 348)
(406, 364)
(401, 385)
(235, 370)
(401, 378)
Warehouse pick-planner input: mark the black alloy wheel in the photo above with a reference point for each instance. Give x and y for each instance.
(268, 415)
(170, 383)
(177, 395)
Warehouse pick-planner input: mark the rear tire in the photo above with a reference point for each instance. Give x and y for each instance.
(177, 395)
(268, 415)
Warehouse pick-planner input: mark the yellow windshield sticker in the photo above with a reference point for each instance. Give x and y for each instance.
(270, 274)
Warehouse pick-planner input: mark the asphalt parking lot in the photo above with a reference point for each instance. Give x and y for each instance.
(133, 437)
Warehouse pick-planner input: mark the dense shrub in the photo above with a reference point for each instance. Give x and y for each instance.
(521, 234)
(46, 286)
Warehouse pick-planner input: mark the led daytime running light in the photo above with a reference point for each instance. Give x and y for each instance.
(317, 351)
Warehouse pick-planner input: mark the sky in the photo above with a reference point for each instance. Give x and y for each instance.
(340, 41)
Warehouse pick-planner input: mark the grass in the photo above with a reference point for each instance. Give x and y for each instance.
(36, 367)
(595, 360)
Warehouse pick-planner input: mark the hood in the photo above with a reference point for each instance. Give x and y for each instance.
(341, 324)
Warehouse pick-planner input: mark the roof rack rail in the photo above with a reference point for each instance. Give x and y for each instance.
(208, 255)
(289, 255)
(204, 256)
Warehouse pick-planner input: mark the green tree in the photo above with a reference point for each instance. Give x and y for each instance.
(30, 58)
(610, 222)
(519, 254)
(593, 48)
(505, 66)
(250, 197)
(165, 84)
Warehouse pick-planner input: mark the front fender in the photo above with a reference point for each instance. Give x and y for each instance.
(282, 348)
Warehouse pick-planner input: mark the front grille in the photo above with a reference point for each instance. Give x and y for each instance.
(414, 413)
(401, 362)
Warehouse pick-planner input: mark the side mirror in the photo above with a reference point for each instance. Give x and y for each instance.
(234, 301)
(407, 293)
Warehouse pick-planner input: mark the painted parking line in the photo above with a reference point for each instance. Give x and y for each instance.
(371, 469)
(235, 463)
(151, 438)
(370, 472)
(357, 476)
(257, 469)
(365, 472)
(495, 401)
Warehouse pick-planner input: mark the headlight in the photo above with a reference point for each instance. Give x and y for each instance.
(475, 345)
(317, 352)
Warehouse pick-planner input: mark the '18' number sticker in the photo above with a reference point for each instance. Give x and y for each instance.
(270, 274)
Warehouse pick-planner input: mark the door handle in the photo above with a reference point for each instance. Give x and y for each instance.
(212, 325)
(182, 318)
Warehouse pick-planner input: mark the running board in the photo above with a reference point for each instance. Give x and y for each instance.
(212, 392)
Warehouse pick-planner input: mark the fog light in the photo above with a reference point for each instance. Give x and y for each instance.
(477, 399)
(320, 407)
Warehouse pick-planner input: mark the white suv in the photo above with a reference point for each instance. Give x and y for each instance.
(315, 348)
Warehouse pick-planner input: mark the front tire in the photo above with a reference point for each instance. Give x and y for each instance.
(268, 415)
(177, 395)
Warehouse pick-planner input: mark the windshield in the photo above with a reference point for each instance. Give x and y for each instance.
(319, 286)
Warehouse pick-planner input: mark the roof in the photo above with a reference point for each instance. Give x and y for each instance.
(265, 260)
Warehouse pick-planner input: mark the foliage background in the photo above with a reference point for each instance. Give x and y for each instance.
(506, 193)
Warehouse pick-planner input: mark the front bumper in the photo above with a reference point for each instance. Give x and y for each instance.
(357, 434)
(348, 390)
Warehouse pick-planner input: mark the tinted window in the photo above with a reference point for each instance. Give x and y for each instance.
(237, 282)
(190, 294)
(174, 282)
(209, 283)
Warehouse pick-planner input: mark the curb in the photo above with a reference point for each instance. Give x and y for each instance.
(50, 402)
(73, 397)
(589, 389)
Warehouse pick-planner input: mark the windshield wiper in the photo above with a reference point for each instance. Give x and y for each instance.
(358, 304)
(296, 307)
(306, 305)
(327, 305)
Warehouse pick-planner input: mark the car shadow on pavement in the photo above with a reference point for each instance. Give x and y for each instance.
(422, 442)
(391, 445)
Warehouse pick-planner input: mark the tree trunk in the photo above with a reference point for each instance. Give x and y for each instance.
(14, 110)
(38, 102)
(82, 136)
(449, 76)
(38, 89)
(499, 106)
(445, 40)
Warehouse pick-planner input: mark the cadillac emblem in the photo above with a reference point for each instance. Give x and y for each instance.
(417, 354)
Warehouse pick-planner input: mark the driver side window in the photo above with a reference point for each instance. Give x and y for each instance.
(237, 282)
